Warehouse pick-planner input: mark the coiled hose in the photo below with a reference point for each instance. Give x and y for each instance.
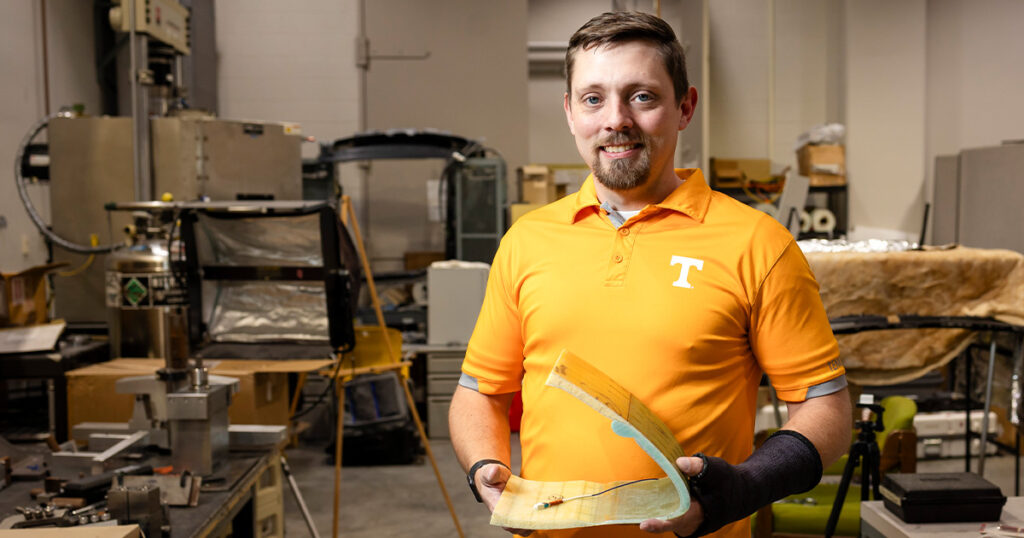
(27, 202)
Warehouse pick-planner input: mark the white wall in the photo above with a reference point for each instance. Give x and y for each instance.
(911, 79)
(975, 75)
(801, 85)
(770, 78)
(739, 78)
(72, 80)
(885, 112)
(457, 66)
(552, 21)
(289, 61)
(781, 67)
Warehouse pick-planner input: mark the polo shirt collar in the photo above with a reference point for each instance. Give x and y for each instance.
(692, 198)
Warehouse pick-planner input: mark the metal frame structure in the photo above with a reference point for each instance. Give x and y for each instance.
(856, 324)
(336, 277)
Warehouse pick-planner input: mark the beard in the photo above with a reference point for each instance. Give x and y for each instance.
(624, 174)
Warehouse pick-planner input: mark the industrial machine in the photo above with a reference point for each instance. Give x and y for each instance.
(156, 149)
(181, 408)
(97, 168)
(147, 305)
(195, 156)
(473, 182)
(163, 149)
(255, 274)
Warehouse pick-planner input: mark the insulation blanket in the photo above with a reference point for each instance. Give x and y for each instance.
(935, 282)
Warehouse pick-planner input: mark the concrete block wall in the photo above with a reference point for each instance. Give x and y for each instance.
(911, 80)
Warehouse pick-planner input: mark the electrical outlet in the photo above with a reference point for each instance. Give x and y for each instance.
(24, 245)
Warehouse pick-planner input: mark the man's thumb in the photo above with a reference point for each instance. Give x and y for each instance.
(690, 466)
(493, 474)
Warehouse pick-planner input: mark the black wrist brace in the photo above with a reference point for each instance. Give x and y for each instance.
(786, 463)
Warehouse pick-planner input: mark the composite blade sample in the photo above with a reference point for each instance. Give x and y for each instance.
(529, 504)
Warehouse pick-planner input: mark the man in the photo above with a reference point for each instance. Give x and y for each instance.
(682, 295)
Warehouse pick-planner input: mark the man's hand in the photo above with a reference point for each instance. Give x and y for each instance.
(490, 482)
(685, 524)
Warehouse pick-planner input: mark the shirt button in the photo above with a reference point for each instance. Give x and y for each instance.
(618, 258)
(624, 231)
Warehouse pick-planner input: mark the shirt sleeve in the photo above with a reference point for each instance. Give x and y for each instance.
(790, 333)
(494, 357)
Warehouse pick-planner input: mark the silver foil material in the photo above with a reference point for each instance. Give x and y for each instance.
(264, 311)
(252, 312)
(293, 241)
(842, 245)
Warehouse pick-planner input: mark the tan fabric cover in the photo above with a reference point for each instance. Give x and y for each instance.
(937, 282)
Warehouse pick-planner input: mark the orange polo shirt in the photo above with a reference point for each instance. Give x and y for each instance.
(684, 305)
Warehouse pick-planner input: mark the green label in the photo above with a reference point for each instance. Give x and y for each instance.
(134, 291)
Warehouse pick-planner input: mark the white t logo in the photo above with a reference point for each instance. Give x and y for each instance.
(687, 263)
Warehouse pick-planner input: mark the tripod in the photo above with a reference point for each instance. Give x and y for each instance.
(863, 452)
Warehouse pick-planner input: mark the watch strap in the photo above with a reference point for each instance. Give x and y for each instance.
(472, 473)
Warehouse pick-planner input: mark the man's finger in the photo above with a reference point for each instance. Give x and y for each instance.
(690, 466)
(655, 525)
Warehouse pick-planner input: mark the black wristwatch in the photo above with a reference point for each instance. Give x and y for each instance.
(472, 472)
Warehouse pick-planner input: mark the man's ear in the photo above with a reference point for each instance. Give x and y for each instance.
(568, 113)
(687, 106)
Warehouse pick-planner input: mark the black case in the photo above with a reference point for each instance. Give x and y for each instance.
(942, 497)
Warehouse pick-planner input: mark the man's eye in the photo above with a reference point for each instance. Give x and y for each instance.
(591, 100)
(644, 97)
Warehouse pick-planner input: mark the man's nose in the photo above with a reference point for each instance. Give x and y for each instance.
(619, 117)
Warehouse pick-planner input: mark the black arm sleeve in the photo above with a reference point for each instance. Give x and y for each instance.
(785, 464)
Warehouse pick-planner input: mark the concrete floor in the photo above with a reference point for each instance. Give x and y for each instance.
(405, 500)
(390, 500)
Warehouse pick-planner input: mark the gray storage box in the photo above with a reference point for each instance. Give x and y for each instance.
(455, 292)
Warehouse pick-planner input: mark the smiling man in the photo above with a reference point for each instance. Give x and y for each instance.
(681, 294)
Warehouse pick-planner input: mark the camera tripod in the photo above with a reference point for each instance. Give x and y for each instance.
(863, 452)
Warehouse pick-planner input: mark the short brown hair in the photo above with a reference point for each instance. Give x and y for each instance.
(622, 26)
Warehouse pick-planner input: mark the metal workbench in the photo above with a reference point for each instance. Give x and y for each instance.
(231, 505)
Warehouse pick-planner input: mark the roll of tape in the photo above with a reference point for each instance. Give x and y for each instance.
(823, 221)
(805, 221)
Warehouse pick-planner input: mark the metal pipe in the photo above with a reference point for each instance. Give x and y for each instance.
(133, 81)
(1016, 388)
(771, 79)
(988, 403)
(51, 405)
(116, 449)
(298, 498)
(46, 60)
(364, 114)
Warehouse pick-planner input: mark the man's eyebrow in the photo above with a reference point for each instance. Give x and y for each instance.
(588, 88)
(628, 88)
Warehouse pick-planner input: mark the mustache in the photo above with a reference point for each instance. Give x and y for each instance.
(620, 138)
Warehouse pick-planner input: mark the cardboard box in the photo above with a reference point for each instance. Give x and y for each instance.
(422, 259)
(262, 398)
(537, 185)
(23, 300)
(824, 164)
(727, 173)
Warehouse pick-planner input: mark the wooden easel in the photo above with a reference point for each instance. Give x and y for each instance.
(348, 218)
